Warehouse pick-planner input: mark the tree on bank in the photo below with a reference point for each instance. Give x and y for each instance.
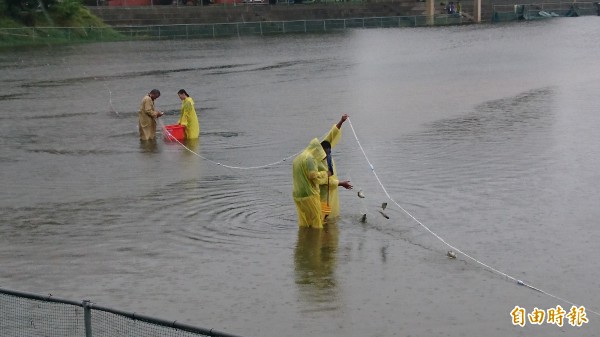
(47, 22)
(45, 12)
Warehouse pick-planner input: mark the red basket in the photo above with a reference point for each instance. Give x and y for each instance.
(174, 132)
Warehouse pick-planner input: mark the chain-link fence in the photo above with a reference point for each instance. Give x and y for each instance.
(29, 35)
(26, 314)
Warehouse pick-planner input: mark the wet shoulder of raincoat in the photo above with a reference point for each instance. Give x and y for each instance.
(147, 107)
(189, 119)
(306, 174)
(333, 136)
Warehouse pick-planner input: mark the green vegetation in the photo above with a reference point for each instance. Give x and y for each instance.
(32, 22)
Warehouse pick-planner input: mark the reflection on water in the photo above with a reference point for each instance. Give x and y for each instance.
(193, 146)
(315, 262)
(149, 146)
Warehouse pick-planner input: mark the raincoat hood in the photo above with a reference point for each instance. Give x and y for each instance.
(316, 150)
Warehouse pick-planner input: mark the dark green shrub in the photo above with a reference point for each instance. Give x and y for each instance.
(66, 9)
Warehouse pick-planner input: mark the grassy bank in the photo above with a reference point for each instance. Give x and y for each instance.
(74, 24)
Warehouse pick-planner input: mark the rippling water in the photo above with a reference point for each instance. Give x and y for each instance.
(486, 135)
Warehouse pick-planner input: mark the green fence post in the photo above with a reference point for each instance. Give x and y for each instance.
(87, 317)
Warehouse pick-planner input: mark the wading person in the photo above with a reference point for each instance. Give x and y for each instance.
(306, 179)
(188, 117)
(329, 191)
(148, 115)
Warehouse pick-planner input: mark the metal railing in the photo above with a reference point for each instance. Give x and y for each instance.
(26, 314)
(529, 11)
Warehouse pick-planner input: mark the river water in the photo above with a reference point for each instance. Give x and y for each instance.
(484, 137)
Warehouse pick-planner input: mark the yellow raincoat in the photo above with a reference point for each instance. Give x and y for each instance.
(189, 119)
(306, 180)
(147, 119)
(331, 185)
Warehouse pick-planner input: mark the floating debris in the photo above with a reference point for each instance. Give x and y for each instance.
(361, 194)
(384, 215)
(451, 254)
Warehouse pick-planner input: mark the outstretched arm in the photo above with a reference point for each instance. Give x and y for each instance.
(345, 184)
(342, 120)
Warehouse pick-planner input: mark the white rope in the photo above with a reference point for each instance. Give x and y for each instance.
(225, 165)
(444, 241)
(110, 100)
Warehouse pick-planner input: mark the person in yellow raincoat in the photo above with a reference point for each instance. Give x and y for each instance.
(306, 179)
(329, 190)
(188, 117)
(148, 115)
